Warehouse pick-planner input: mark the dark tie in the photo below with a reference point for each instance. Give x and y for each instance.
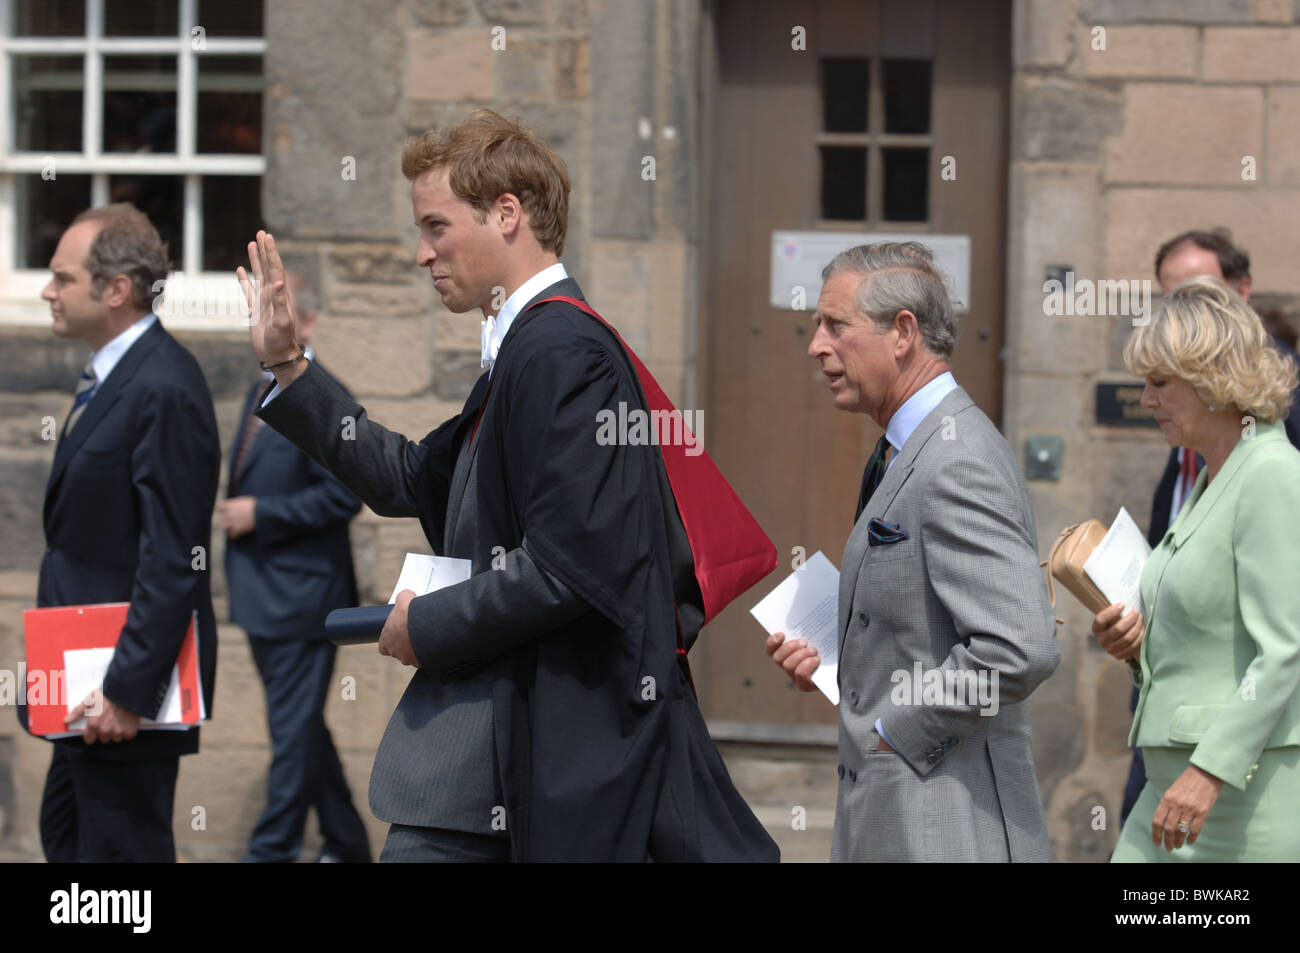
(85, 391)
(872, 475)
(252, 427)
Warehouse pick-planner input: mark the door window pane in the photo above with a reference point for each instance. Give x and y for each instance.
(45, 208)
(907, 96)
(140, 104)
(906, 184)
(844, 183)
(845, 83)
(47, 103)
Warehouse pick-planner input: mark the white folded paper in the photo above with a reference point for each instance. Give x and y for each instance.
(806, 606)
(1116, 565)
(422, 574)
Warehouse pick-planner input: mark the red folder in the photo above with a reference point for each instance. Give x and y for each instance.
(730, 549)
(49, 633)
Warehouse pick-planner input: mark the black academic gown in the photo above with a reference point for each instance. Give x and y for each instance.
(602, 751)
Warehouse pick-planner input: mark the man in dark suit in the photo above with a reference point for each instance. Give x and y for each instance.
(127, 519)
(550, 715)
(288, 564)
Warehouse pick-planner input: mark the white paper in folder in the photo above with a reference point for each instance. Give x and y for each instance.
(1117, 562)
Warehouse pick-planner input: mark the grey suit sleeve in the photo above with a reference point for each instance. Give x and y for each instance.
(984, 570)
(383, 469)
(456, 630)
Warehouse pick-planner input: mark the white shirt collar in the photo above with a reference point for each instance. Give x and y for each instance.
(916, 408)
(105, 359)
(495, 329)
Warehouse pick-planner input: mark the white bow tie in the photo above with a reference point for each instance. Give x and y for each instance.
(490, 347)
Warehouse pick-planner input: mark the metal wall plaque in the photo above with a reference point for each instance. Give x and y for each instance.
(1120, 405)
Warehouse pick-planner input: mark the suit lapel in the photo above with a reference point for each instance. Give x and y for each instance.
(1205, 494)
(105, 397)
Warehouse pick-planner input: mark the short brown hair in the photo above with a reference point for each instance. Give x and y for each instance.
(487, 156)
(126, 244)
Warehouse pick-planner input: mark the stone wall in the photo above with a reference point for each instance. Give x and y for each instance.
(1132, 122)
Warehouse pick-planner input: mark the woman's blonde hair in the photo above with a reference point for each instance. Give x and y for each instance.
(1205, 334)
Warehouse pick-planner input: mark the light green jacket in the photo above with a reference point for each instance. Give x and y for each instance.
(1221, 654)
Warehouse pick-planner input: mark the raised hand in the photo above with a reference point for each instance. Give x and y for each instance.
(272, 318)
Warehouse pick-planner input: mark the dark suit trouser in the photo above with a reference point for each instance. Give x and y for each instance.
(104, 810)
(305, 768)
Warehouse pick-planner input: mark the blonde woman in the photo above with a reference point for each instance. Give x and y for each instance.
(1218, 718)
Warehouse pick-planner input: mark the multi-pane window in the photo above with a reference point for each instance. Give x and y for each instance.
(153, 102)
(876, 139)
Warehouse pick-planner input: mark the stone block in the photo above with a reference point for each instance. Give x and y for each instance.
(1261, 220)
(379, 300)
(572, 68)
(1273, 11)
(1176, 134)
(19, 584)
(1166, 11)
(1145, 52)
(31, 422)
(378, 356)
(1262, 54)
(1113, 719)
(1126, 470)
(440, 12)
(316, 66)
(457, 332)
(357, 721)
(239, 703)
(451, 65)
(33, 359)
(1059, 742)
(389, 264)
(227, 359)
(1055, 219)
(525, 73)
(513, 12)
(1041, 33)
(413, 417)
(571, 14)
(1059, 119)
(22, 500)
(1282, 165)
(624, 71)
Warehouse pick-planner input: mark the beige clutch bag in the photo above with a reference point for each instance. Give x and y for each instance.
(1065, 563)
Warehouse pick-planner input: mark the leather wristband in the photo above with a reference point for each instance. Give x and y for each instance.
(300, 356)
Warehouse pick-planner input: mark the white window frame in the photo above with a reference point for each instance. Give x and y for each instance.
(20, 288)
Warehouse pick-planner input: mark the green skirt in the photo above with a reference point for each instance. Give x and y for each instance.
(1260, 824)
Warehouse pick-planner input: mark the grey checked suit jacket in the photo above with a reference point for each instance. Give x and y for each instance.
(963, 592)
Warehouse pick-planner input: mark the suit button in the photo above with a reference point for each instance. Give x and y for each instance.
(853, 774)
(840, 770)
(853, 698)
(931, 758)
(864, 619)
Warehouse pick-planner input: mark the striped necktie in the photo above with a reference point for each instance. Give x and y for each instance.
(85, 391)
